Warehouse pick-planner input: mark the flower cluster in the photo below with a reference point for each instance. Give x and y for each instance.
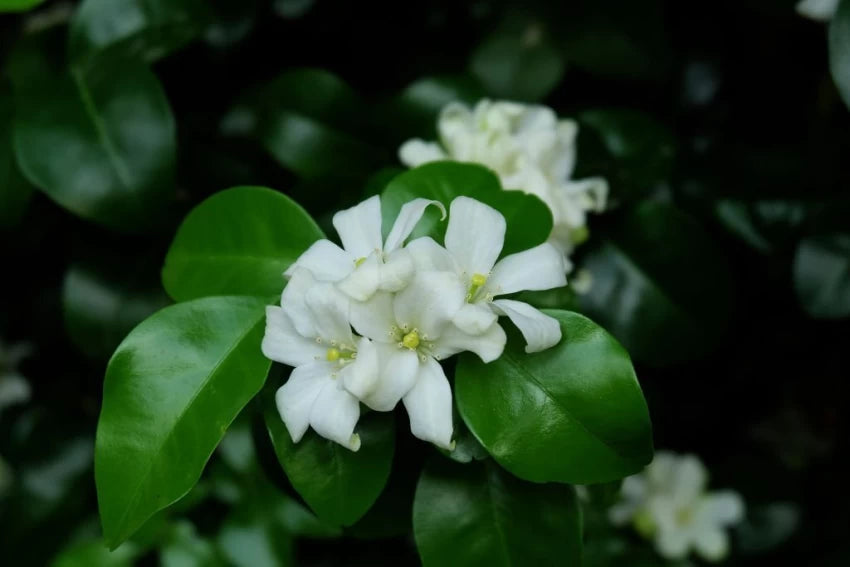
(669, 503)
(529, 148)
(369, 322)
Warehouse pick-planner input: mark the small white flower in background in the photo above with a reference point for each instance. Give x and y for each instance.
(474, 239)
(529, 148)
(669, 503)
(366, 263)
(14, 388)
(819, 10)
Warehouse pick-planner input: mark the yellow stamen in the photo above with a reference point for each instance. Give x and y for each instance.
(475, 283)
(479, 279)
(411, 340)
(333, 355)
(359, 261)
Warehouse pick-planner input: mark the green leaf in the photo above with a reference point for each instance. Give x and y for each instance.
(339, 485)
(15, 192)
(529, 220)
(579, 400)
(643, 149)
(477, 514)
(822, 275)
(99, 143)
(237, 242)
(142, 29)
(518, 64)
(186, 548)
(100, 306)
(839, 50)
(171, 390)
(18, 5)
(252, 537)
(94, 553)
(417, 107)
(649, 271)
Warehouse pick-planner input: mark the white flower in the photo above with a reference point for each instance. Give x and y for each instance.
(529, 148)
(669, 503)
(819, 10)
(311, 332)
(14, 388)
(365, 264)
(413, 331)
(474, 239)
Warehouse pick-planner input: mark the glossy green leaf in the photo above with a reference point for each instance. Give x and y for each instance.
(100, 143)
(101, 306)
(171, 390)
(237, 242)
(518, 64)
(417, 107)
(839, 50)
(94, 552)
(18, 5)
(579, 400)
(478, 515)
(649, 271)
(822, 275)
(529, 221)
(143, 29)
(15, 192)
(186, 548)
(338, 484)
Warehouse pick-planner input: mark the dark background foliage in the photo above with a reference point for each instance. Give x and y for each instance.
(734, 120)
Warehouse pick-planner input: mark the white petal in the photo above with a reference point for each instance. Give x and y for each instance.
(325, 260)
(724, 507)
(282, 343)
(14, 389)
(539, 330)
(428, 256)
(475, 318)
(488, 345)
(416, 152)
(429, 405)
(690, 478)
(359, 227)
(360, 377)
(622, 513)
(429, 303)
(819, 10)
(399, 367)
(475, 235)
(454, 126)
(407, 219)
(364, 280)
(374, 318)
(397, 271)
(330, 310)
(295, 399)
(334, 415)
(672, 544)
(712, 543)
(538, 268)
(293, 300)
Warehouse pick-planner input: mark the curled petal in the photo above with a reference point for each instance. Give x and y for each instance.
(359, 227)
(429, 406)
(362, 283)
(407, 219)
(397, 271)
(539, 330)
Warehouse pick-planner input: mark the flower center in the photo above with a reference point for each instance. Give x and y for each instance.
(684, 516)
(411, 340)
(475, 284)
(359, 261)
(334, 354)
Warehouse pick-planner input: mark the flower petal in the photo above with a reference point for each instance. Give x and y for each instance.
(475, 235)
(399, 368)
(673, 543)
(429, 303)
(295, 399)
(359, 227)
(374, 318)
(712, 543)
(293, 300)
(331, 312)
(488, 345)
(541, 267)
(282, 343)
(475, 318)
(325, 260)
(407, 219)
(428, 256)
(539, 330)
(415, 152)
(689, 478)
(360, 377)
(429, 405)
(364, 280)
(723, 507)
(397, 271)
(334, 415)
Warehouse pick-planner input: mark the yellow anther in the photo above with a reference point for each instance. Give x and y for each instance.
(478, 280)
(411, 340)
(333, 355)
(359, 261)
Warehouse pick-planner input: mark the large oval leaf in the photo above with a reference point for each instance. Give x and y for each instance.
(476, 514)
(100, 143)
(237, 242)
(145, 29)
(574, 413)
(18, 5)
(15, 192)
(528, 219)
(648, 276)
(822, 275)
(338, 484)
(839, 50)
(171, 390)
